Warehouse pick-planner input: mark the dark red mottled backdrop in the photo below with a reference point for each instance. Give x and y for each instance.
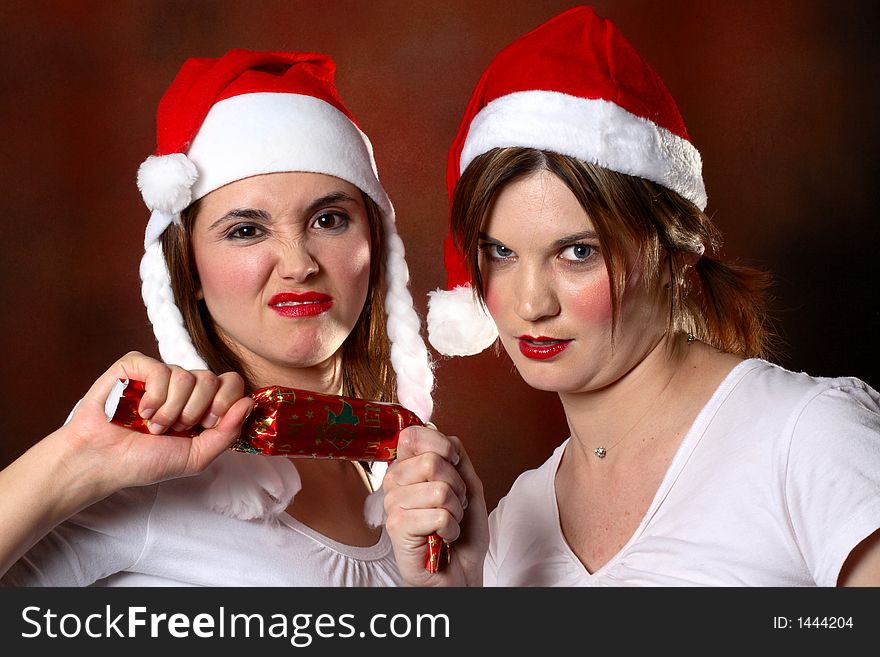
(780, 97)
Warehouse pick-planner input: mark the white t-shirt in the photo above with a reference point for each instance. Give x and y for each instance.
(168, 534)
(775, 483)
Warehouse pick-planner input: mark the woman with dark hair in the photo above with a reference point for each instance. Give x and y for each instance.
(269, 250)
(578, 222)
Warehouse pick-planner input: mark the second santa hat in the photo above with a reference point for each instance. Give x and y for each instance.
(577, 87)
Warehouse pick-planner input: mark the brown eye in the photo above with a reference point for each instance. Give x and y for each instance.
(243, 232)
(330, 221)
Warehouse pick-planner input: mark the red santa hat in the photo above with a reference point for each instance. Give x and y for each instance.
(249, 113)
(576, 87)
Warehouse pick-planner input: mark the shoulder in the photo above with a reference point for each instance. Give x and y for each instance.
(530, 490)
(526, 547)
(839, 416)
(826, 424)
(763, 411)
(771, 389)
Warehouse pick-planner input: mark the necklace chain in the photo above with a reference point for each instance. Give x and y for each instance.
(602, 451)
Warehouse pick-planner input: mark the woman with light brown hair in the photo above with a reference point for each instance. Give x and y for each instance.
(579, 240)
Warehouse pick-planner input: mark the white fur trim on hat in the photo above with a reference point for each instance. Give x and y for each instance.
(258, 133)
(458, 324)
(593, 130)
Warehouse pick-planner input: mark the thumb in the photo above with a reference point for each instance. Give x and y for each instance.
(208, 445)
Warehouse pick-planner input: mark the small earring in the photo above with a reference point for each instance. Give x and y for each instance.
(690, 337)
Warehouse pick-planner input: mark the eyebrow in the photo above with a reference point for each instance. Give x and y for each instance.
(563, 241)
(253, 214)
(329, 199)
(575, 237)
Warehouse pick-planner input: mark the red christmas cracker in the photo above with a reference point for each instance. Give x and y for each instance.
(302, 424)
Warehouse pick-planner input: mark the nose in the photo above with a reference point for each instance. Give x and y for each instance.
(536, 297)
(296, 262)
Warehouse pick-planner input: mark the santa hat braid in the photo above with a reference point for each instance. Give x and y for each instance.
(573, 86)
(175, 343)
(409, 354)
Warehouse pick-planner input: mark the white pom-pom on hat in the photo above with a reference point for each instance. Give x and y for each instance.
(165, 182)
(458, 323)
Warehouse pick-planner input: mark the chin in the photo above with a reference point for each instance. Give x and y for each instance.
(308, 359)
(544, 382)
(301, 358)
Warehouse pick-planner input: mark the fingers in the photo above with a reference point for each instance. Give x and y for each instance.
(132, 362)
(424, 492)
(420, 440)
(425, 468)
(412, 525)
(465, 469)
(173, 397)
(231, 389)
(428, 495)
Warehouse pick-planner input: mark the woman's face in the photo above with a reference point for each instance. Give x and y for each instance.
(547, 288)
(283, 262)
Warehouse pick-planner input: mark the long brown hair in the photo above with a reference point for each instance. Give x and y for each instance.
(720, 303)
(366, 352)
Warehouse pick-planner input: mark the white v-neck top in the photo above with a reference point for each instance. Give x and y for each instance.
(776, 481)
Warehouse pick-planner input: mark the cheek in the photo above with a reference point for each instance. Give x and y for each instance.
(356, 264)
(226, 275)
(495, 296)
(591, 303)
(349, 269)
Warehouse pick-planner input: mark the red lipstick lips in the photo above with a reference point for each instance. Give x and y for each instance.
(542, 347)
(300, 304)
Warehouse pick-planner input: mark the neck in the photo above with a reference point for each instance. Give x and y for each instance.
(324, 377)
(606, 416)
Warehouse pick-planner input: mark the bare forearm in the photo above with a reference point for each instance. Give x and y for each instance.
(38, 491)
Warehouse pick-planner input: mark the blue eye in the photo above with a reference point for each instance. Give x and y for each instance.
(331, 221)
(577, 252)
(495, 251)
